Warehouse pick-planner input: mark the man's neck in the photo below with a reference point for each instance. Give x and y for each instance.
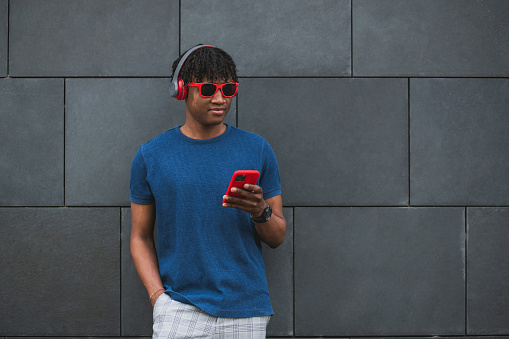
(202, 132)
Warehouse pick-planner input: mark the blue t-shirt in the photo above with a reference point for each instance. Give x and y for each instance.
(209, 256)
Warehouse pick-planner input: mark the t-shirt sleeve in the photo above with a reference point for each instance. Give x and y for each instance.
(140, 189)
(269, 178)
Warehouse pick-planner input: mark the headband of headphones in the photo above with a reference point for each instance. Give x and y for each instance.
(178, 90)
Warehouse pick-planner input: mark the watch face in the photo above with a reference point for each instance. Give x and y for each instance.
(267, 212)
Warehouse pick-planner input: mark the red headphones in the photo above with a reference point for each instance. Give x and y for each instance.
(178, 89)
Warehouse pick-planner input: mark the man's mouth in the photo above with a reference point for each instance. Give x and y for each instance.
(218, 110)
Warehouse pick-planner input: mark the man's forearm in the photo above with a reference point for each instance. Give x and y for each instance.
(145, 261)
(273, 231)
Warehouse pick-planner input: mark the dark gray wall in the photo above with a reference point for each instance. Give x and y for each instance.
(389, 118)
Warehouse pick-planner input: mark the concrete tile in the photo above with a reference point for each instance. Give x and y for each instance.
(430, 38)
(106, 121)
(32, 139)
(338, 141)
(379, 271)
(458, 137)
(267, 38)
(4, 28)
(279, 268)
(93, 38)
(487, 271)
(60, 271)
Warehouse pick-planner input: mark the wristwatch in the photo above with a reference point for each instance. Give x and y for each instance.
(267, 212)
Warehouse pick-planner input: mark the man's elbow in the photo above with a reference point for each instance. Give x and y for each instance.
(275, 242)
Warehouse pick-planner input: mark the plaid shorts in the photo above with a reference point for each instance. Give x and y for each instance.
(173, 319)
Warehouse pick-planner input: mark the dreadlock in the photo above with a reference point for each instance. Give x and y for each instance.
(214, 64)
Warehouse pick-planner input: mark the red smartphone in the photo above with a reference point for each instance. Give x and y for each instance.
(240, 178)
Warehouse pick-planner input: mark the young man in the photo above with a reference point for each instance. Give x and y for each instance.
(207, 279)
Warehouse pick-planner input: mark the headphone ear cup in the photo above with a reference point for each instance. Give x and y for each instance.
(173, 90)
(182, 90)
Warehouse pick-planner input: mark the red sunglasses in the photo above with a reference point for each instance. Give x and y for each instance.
(208, 90)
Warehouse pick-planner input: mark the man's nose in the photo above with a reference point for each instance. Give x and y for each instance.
(219, 96)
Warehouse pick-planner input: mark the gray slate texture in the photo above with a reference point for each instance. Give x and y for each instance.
(262, 35)
(379, 271)
(93, 38)
(60, 271)
(106, 121)
(459, 142)
(488, 271)
(431, 38)
(32, 139)
(4, 28)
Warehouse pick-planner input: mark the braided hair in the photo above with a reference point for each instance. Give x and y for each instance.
(211, 63)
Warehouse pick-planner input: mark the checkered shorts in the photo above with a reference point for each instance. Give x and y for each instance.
(173, 319)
